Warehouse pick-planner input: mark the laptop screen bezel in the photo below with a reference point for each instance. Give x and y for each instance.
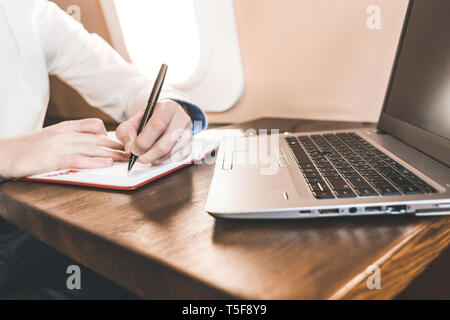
(429, 143)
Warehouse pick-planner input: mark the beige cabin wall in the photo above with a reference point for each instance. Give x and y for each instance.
(314, 59)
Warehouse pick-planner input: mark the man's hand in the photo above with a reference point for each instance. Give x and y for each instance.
(166, 137)
(70, 144)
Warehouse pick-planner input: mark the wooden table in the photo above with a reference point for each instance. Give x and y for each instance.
(159, 242)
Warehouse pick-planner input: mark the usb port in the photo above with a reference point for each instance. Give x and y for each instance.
(328, 211)
(373, 209)
(304, 211)
(395, 209)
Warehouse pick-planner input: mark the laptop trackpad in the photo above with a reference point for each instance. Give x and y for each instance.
(253, 158)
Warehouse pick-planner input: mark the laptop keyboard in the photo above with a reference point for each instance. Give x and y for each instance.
(344, 165)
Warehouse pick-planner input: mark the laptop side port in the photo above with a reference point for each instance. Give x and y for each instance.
(329, 211)
(304, 211)
(373, 209)
(395, 209)
(352, 210)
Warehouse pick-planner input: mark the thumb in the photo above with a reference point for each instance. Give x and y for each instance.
(128, 143)
(126, 133)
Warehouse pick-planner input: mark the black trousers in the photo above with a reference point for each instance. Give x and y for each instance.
(30, 269)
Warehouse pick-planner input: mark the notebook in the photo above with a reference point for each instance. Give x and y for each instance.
(116, 176)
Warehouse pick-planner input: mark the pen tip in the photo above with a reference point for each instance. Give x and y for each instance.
(131, 163)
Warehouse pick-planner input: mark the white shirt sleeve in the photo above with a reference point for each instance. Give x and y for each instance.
(91, 66)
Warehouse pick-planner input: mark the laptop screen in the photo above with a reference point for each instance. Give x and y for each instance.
(419, 92)
(420, 89)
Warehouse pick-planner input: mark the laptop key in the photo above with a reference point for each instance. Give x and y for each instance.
(349, 175)
(306, 165)
(292, 142)
(337, 183)
(330, 174)
(309, 170)
(327, 169)
(345, 193)
(323, 195)
(382, 184)
(312, 175)
(300, 155)
(346, 170)
(377, 178)
(363, 167)
(319, 186)
(312, 180)
(369, 173)
(368, 192)
(410, 190)
(323, 164)
(358, 183)
(428, 189)
(400, 181)
(388, 191)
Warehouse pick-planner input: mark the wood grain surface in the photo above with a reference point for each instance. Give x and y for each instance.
(159, 242)
(398, 268)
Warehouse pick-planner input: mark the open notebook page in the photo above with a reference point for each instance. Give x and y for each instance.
(117, 177)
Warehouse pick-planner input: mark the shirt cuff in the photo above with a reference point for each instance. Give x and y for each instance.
(198, 116)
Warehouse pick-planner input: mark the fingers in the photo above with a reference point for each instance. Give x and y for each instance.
(152, 131)
(105, 141)
(67, 139)
(127, 131)
(93, 150)
(82, 145)
(94, 126)
(174, 136)
(165, 113)
(177, 155)
(76, 161)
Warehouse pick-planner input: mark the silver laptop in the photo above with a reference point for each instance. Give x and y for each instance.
(400, 168)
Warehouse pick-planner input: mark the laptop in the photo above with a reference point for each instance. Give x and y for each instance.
(400, 168)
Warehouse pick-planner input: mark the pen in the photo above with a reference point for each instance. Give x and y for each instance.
(152, 100)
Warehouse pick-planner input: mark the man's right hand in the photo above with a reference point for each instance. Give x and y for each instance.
(76, 144)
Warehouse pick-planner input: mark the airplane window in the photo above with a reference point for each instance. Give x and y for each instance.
(158, 32)
(198, 39)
